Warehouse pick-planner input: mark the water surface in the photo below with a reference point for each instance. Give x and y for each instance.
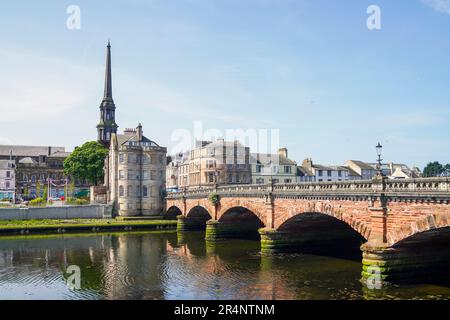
(168, 265)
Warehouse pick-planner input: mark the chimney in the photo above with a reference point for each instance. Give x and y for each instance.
(307, 163)
(49, 150)
(139, 132)
(283, 152)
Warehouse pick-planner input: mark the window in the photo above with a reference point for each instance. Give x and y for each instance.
(144, 191)
(329, 173)
(287, 169)
(210, 164)
(260, 180)
(287, 181)
(146, 175)
(129, 191)
(121, 157)
(121, 174)
(7, 185)
(258, 168)
(131, 158)
(8, 174)
(340, 173)
(320, 173)
(121, 191)
(130, 174)
(138, 191)
(145, 159)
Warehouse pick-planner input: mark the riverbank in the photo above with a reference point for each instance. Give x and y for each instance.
(25, 227)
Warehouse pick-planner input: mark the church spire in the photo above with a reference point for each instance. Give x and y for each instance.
(107, 125)
(108, 80)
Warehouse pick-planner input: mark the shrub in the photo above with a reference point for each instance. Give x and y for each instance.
(37, 202)
(75, 201)
(214, 198)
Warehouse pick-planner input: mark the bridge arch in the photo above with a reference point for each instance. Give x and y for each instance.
(173, 212)
(417, 227)
(316, 232)
(199, 211)
(241, 215)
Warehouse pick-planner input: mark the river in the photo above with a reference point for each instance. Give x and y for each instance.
(168, 265)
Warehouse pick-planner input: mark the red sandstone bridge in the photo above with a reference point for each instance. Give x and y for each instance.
(402, 226)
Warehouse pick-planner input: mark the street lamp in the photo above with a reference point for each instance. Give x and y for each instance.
(379, 148)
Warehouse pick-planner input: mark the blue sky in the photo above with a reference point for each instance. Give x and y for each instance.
(310, 69)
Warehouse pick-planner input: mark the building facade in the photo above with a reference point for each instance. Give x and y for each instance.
(7, 180)
(210, 163)
(136, 174)
(364, 170)
(276, 168)
(327, 173)
(35, 165)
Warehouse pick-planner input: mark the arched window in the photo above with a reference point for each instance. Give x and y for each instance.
(33, 178)
(144, 191)
(121, 191)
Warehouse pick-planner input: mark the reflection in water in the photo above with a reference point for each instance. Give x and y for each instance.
(179, 266)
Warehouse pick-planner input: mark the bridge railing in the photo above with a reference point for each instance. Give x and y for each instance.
(438, 186)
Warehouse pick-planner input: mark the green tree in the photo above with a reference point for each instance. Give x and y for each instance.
(86, 162)
(433, 169)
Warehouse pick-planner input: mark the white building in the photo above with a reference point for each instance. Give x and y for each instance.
(273, 167)
(7, 180)
(364, 170)
(320, 173)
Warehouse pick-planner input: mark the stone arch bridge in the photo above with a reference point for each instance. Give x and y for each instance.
(401, 226)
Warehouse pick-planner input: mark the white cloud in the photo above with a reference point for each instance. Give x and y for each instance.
(439, 5)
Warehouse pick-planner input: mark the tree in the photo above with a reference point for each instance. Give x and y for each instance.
(86, 162)
(433, 169)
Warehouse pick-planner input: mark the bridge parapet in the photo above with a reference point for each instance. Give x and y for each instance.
(437, 188)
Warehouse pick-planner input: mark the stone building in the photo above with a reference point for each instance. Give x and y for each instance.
(273, 167)
(177, 172)
(135, 166)
(328, 173)
(136, 174)
(34, 165)
(7, 180)
(210, 163)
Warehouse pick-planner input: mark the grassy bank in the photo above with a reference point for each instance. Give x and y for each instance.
(81, 225)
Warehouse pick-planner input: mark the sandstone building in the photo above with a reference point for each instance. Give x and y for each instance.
(135, 166)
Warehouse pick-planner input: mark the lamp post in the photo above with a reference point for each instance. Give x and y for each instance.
(379, 148)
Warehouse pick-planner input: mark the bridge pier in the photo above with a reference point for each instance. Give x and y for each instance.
(413, 261)
(190, 223)
(219, 231)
